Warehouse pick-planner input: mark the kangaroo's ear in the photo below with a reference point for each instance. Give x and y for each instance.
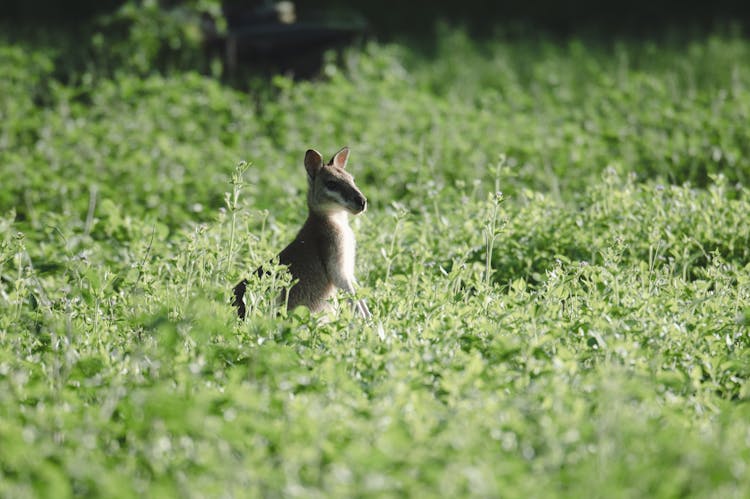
(340, 158)
(313, 162)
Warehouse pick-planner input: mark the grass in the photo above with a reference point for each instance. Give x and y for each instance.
(584, 333)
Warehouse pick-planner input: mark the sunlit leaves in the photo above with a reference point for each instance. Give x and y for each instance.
(589, 333)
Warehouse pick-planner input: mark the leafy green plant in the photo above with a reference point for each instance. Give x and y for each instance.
(588, 335)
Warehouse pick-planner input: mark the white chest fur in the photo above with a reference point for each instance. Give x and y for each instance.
(343, 254)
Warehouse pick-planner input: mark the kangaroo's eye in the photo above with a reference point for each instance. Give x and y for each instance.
(330, 185)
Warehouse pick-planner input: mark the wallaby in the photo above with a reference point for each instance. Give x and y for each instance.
(321, 257)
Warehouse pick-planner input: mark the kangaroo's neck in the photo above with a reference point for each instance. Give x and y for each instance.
(339, 218)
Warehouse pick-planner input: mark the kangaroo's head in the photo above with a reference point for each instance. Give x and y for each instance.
(330, 187)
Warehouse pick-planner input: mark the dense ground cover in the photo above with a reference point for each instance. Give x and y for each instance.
(583, 334)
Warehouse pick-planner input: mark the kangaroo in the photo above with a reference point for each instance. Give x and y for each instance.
(321, 257)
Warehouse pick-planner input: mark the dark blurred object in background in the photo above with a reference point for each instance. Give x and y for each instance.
(268, 35)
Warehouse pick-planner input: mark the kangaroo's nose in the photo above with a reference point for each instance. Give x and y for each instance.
(362, 203)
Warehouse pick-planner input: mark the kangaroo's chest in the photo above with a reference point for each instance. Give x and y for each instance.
(341, 256)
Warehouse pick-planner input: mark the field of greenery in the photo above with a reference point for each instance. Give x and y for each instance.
(556, 256)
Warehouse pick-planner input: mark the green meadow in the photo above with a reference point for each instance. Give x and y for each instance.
(556, 255)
